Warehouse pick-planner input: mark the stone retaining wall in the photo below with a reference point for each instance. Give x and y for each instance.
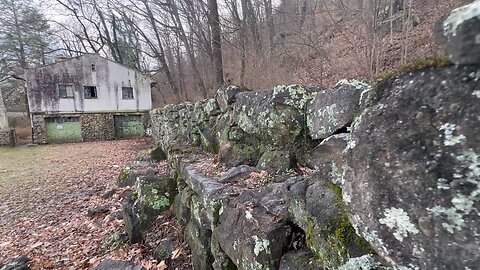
(7, 137)
(395, 166)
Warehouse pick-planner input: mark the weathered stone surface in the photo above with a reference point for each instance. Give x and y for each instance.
(198, 239)
(235, 174)
(20, 263)
(128, 175)
(153, 195)
(316, 206)
(7, 137)
(328, 159)
(226, 97)
(97, 210)
(365, 262)
(413, 186)
(221, 259)
(259, 220)
(333, 109)
(164, 249)
(208, 141)
(117, 265)
(462, 32)
(275, 161)
(157, 154)
(299, 260)
(131, 221)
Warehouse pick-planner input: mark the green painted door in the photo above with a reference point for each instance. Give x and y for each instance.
(128, 126)
(63, 129)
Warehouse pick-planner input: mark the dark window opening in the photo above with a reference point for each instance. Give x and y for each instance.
(65, 91)
(127, 92)
(93, 67)
(90, 92)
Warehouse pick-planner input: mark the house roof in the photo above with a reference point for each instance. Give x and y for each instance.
(80, 56)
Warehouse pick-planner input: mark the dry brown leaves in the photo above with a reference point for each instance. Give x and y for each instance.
(45, 193)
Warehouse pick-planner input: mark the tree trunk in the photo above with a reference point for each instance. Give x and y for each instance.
(214, 21)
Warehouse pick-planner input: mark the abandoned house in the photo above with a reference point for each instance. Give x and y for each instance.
(87, 98)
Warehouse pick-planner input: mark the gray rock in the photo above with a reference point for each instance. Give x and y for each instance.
(129, 174)
(97, 210)
(462, 31)
(117, 265)
(333, 109)
(20, 263)
(109, 194)
(236, 174)
(153, 195)
(157, 154)
(198, 239)
(275, 160)
(413, 185)
(315, 205)
(164, 249)
(327, 158)
(131, 221)
(259, 220)
(226, 97)
(272, 117)
(208, 141)
(299, 260)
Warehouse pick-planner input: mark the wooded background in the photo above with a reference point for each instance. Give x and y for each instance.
(192, 47)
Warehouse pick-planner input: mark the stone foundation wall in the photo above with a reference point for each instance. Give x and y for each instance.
(39, 129)
(7, 137)
(97, 127)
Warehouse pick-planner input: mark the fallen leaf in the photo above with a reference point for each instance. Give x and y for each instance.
(162, 265)
(176, 253)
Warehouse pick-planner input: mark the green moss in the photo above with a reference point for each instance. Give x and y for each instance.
(434, 61)
(123, 174)
(385, 79)
(134, 196)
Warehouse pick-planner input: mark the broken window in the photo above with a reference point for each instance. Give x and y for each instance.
(127, 92)
(93, 67)
(65, 90)
(90, 92)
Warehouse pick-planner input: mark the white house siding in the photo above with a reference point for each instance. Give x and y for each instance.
(108, 77)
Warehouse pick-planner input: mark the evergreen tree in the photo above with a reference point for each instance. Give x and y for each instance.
(23, 35)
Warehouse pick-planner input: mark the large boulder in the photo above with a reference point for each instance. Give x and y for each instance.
(461, 34)
(315, 205)
(226, 97)
(153, 195)
(261, 230)
(327, 158)
(413, 183)
(275, 117)
(332, 110)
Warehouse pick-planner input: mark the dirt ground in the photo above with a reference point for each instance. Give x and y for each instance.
(45, 195)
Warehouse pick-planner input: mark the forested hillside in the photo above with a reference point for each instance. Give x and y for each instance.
(193, 47)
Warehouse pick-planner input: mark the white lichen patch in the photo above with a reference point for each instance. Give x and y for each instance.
(476, 93)
(459, 16)
(463, 204)
(442, 184)
(449, 138)
(355, 83)
(260, 245)
(366, 262)
(399, 221)
(351, 144)
(248, 215)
